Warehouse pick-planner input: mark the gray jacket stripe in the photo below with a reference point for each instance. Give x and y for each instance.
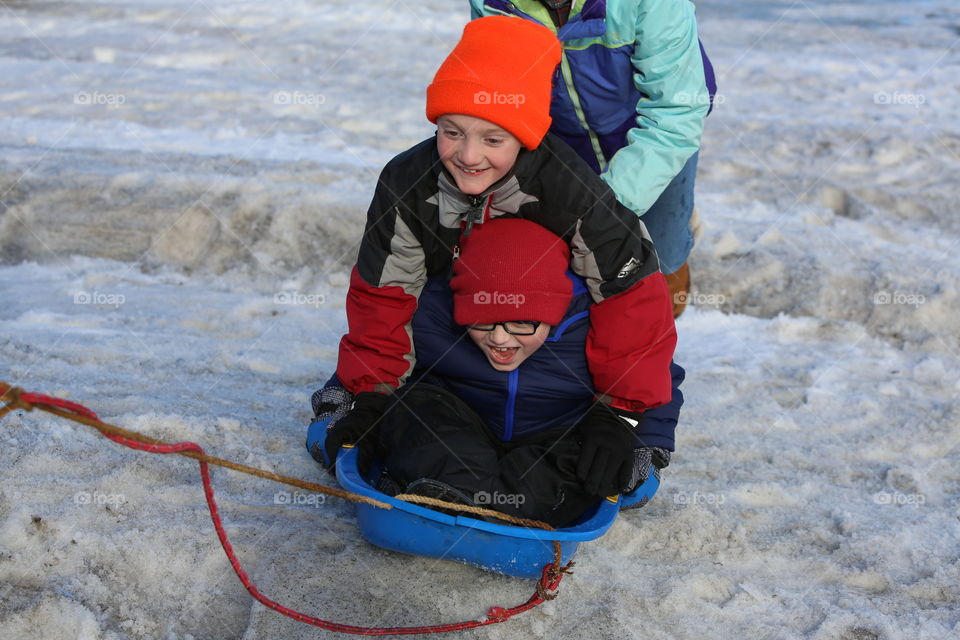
(584, 264)
(406, 264)
(405, 267)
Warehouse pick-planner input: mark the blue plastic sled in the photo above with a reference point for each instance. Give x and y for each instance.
(508, 549)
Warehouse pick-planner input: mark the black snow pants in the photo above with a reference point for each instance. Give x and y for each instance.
(428, 432)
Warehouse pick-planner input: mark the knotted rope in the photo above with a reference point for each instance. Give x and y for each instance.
(14, 398)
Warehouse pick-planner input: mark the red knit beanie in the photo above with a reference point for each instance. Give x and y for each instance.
(501, 71)
(511, 269)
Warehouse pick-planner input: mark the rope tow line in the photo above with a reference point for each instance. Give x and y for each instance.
(13, 398)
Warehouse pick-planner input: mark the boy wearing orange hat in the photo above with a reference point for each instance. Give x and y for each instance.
(492, 157)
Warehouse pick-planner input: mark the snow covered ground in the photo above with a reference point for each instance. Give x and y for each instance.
(183, 183)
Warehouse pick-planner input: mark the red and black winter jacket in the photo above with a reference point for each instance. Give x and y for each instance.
(413, 229)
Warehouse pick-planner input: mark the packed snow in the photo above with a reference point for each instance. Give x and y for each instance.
(183, 187)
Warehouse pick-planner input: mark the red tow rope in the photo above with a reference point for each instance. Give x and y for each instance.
(546, 586)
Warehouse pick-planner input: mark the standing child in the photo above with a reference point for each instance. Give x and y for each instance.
(492, 157)
(636, 86)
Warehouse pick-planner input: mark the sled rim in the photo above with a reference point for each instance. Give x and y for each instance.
(605, 514)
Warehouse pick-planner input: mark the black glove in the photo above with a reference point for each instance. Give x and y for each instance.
(606, 454)
(360, 427)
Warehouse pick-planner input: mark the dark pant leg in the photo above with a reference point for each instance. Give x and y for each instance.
(429, 432)
(544, 472)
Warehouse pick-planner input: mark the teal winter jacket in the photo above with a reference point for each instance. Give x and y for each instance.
(634, 88)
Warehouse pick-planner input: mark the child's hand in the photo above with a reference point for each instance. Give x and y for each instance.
(643, 459)
(329, 405)
(360, 427)
(606, 455)
(331, 402)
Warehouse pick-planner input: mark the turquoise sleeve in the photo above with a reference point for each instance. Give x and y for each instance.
(476, 9)
(669, 71)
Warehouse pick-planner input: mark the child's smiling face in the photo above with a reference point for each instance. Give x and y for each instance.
(475, 151)
(504, 351)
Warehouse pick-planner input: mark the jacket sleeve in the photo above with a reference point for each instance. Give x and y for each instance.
(632, 335)
(377, 352)
(630, 345)
(658, 427)
(476, 9)
(669, 71)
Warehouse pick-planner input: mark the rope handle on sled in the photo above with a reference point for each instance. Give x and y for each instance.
(14, 398)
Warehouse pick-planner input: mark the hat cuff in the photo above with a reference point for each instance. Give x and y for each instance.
(484, 307)
(508, 109)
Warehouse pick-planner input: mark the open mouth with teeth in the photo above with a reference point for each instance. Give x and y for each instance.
(471, 172)
(502, 355)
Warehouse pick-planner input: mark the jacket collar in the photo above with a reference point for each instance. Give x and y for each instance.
(505, 197)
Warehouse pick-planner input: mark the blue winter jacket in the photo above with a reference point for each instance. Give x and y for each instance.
(633, 90)
(551, 388)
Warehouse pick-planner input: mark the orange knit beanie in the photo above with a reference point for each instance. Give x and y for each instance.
(501, 71)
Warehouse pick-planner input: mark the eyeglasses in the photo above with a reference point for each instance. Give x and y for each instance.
(513, 327)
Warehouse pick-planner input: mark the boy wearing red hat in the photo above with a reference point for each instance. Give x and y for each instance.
(492, 157)
(508, 419)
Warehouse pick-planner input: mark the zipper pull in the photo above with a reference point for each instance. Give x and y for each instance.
(456, 252)
(474, 214)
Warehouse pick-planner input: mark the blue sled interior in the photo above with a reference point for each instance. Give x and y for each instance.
(507, 549)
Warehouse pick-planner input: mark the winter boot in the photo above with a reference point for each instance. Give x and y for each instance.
(679, 283)
(430, 488)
